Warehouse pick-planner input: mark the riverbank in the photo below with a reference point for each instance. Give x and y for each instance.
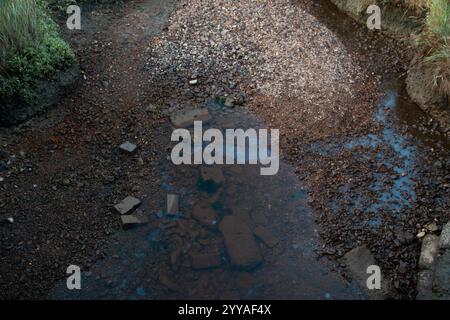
(421, 28)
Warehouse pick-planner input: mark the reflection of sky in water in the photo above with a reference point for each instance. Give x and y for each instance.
(400, 194)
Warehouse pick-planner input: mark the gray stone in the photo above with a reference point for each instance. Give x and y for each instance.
(127, 205)
(444, 242)
(357, 261)
(428, 254)
(128, 147)
(432, 227)
(441, 283)
(240, 243)
(424, 285)
(229, 102)
(265, 236)
(129, 221)
(185, 118)
(172, 204)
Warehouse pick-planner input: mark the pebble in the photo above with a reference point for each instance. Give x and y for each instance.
(127, 205)
(128, 147)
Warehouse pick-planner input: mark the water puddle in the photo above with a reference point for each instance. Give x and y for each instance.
(169, 257)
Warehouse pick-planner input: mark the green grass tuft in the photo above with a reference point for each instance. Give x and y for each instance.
(30, 47)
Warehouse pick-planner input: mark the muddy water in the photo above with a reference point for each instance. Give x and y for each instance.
(159, 260)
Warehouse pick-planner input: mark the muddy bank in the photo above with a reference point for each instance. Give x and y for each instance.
(406, 27)
(47, 92)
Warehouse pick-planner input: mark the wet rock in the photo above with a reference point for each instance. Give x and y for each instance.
(172, 204)
(428, 254)
(240, 243)
(357, 262)
(432, 227)
(230, 102)
(205, 260)
(128, 147)
(127, 205)
(441, 284)
(444, 242)
(129, 221)
(421, 234)
(424, 285)
(205, 214)
(185, 118)
(265, 236)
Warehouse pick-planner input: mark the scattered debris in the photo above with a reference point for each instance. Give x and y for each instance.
(128, 147)
(240, 243)
(127, 205)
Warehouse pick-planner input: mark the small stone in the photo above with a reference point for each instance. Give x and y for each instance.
(10, 220)
(205, 260)
(428, 254)
(229, 102)
(265, 236)
(444, 242)
(127, 205)
(432, 227)
(357, 262)
(240, 243)
(193, 82)
(172, 204)
(129, 221)
(186, 118)
(128, 147)
(421, 234)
